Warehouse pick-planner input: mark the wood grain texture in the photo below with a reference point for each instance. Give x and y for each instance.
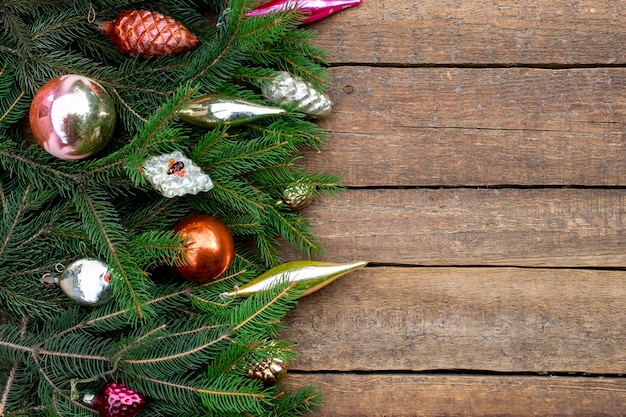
(451, 395)
(478, 319)
(484, 145)
(449, 227)
(453, 32)
(476, 127)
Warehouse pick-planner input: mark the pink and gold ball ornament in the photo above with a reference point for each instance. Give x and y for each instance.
(72, 117)
(209, 249)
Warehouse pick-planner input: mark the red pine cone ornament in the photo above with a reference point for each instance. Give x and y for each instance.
(144, 33)
(116, 400)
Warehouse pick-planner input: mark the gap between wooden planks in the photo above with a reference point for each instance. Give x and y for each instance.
(351, 395)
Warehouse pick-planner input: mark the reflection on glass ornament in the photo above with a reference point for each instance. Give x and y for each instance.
(287, 90)
(86, 282)
(306, 276)
(72, 117)
(209, 249)
(215, 110)
(313, 10)
(174, 175)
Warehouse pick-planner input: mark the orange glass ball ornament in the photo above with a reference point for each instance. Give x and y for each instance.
(209, 249)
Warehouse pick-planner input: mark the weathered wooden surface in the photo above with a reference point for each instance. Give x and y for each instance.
(465, 127)
(477, 32)
(483, 146)
(451, 395)
(480, 319)
(468, 226)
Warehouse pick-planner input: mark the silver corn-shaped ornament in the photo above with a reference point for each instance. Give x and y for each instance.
(293, 92)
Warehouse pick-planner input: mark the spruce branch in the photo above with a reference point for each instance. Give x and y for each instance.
(13, 224)
(7, 388)
(191, 349)
(103, 225)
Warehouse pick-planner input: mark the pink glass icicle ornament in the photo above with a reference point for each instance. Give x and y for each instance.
(314, 10)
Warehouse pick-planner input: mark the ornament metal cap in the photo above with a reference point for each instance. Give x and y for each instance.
(314, 10)
(88, 399)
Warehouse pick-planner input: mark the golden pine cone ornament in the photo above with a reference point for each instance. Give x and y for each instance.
(146, 34)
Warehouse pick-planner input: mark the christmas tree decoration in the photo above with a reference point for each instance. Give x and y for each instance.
(72, 117)
(86, 282)
(215, 110)
(270, 371)
(174, 341)
(289, 91)
(297, 196)
(146, 34)
(313, 10)
(209, 249)
(174, 175)
(306, 276)
(116, 400)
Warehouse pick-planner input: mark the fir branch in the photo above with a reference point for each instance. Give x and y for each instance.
(10, 379)
(264, 308)
(56, 389)
(44, 352)
(16, 218)
(7, 388)
(12, 106)
(156, 300)
(113, 244)
(225, 336)
(202, 390)
(41, 168)
(3, 201)
(304, 240)
(30, 302)
(128, 106)
(238, 196)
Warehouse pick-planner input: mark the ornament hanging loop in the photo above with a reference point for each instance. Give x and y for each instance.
(49, 280)
(91, 14)
(221, 20)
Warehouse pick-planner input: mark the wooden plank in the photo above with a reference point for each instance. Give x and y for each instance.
(348, 395)
(482, 319)
(451, 227)
(451, 127)
(452, 32)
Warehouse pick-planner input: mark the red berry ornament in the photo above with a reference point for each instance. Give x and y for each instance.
(116, 400)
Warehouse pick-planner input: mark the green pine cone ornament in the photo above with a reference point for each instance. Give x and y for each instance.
(307, 276)
(289, 91)
(216, 110)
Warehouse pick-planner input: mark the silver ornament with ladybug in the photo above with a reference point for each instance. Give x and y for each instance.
(86, 282)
